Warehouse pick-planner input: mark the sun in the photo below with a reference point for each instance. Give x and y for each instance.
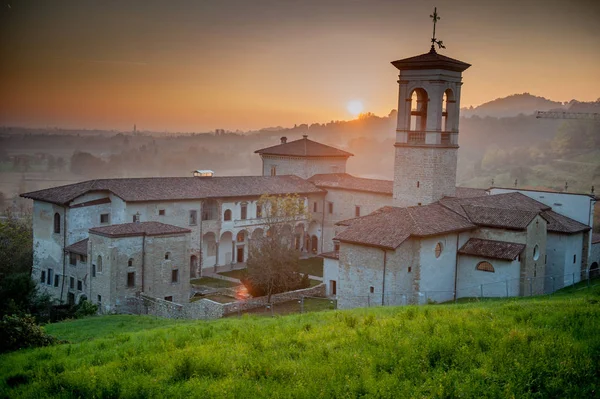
(355, 107)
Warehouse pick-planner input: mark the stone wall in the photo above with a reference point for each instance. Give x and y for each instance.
(303, 167)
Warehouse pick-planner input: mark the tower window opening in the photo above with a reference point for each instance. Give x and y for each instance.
(418, 113)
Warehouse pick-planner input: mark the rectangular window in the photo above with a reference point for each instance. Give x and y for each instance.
(83, 258)
(131, 279)
(372, 290)
(332, 287)
(169, 298)
(258, 211)
(409, 269)
(315, 206)
(193, 217)
(43, 277)
(72, 283)
(99, 299)
(56, 278)
(273, 170)
(136, 218)
(79, 285)
(574, 258)
(93, 270)
(357, 211)
(161, 212)
(244, 215)
(330, 207)
(49, 281)
(72, 259)
(104, 218)
(175, 275)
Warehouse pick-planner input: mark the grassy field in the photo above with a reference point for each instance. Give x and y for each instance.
(312, 266)
(527, 347)
(213, 282)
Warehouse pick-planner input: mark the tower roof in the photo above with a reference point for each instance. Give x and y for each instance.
(431, 60)
(304, 148)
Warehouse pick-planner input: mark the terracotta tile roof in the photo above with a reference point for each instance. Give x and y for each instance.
(497, 217)
(431, 60)
(80, 247)
(349, 182)
(561, 224)
(304, 148)
(178, 188)
(468, 192)
(596, 238)
(492, 249)
(138, 229)
(389, 227)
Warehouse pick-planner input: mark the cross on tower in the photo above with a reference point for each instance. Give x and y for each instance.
(434, 41)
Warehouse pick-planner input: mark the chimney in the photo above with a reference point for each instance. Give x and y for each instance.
(305, 136)
(283, 140)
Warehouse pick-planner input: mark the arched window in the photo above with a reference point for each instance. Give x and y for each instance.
(227, 215)
(448, 114)
(536, 252)
(241, 236)
(438, 249)
(485, 267)
(57, 223)
(167, 255)
(130, 262)
(99, 264)
(418, 111)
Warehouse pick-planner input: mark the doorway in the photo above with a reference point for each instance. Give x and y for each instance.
(240, 254)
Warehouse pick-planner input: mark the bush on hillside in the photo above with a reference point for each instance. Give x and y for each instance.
(18, 332)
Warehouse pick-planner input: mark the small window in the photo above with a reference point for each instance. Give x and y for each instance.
(175, 275)
(99, 264)
(240, 237)
(357, 211)
(79, 285)
(49, 280)
(330, 207)
(418, 184)
(574, 258)
(56, 280)
(83, 258)
(93, 270)
(485, 267)
(227, 215)
(409, 269)
(136, 218)
(57, 223)
(536, 252)
(104, 218)
(131, 279)
(72, 259)
(545, 259)
(169, 298)
(244, 214)
(193, 217)
(167, 255)
(99, 299)
(273, 170)
(315, 206)
(419, 204)
(130, 262)
(72, 283)
(258, 211)
(43, 277)
(372, 290)
(438, 249)
(161, 212)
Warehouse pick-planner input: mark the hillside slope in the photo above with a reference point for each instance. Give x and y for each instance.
(538, 347)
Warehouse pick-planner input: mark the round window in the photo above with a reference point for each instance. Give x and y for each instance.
(438, 249)
(536, 252)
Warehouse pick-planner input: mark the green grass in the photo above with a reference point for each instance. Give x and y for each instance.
(238, 273)
(527, 348)
(213, 282)
(312, 266)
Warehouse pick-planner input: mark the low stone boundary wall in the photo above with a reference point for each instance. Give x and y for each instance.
(205, 309)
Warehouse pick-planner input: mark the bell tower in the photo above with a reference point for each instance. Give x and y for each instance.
(427, 129)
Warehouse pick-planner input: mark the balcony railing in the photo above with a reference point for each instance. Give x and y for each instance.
(416, 137)
(446, 138)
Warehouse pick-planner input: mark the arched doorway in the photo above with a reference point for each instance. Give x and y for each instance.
(240, 246)
(225, 248)
(594, 271)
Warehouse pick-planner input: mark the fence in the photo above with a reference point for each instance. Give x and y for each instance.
(520, 287)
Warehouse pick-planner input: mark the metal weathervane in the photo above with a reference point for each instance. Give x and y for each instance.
(434, 41)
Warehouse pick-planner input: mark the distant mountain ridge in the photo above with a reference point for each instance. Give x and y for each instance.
(513, 105)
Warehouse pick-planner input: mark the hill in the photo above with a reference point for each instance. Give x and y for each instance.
(527, 347)
(512, 105)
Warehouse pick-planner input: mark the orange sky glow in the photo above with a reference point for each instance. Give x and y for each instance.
(196, 66)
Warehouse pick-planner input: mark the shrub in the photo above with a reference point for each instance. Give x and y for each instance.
(18, 332)
(85, 308)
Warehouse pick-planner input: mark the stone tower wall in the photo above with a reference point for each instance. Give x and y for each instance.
(423, 174)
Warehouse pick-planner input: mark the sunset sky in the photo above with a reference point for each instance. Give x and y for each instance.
(246, 64)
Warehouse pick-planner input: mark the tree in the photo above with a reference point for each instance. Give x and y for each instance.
(272, 259)
(16, 245)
